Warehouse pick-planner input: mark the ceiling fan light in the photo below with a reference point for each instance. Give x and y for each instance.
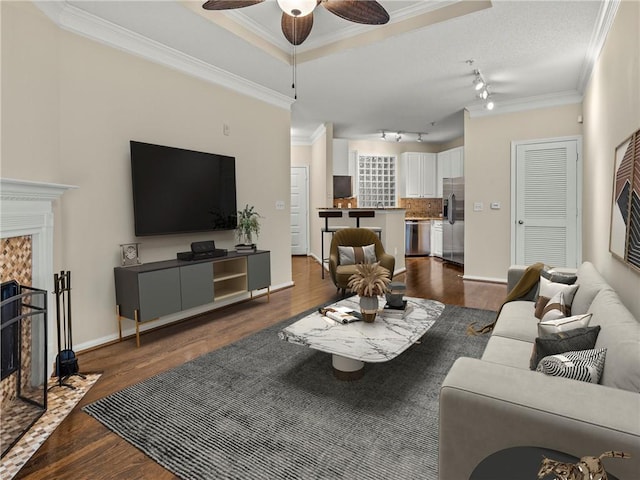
(297, 8)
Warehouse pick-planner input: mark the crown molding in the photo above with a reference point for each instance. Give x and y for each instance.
(607, 14)
(528, 103)
(76, 20)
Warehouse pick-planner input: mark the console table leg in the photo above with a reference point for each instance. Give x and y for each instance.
(119, 323)
(135, 315)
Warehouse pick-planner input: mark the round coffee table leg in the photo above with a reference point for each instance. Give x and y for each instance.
(347, 368)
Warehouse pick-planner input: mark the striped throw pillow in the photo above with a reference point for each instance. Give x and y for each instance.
(583, 365)
(356, 255)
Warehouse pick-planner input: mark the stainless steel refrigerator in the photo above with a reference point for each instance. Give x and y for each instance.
(453, 220)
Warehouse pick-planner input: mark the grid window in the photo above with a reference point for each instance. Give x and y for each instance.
(376, 181)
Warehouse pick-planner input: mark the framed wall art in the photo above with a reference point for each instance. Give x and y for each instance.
(624, 240)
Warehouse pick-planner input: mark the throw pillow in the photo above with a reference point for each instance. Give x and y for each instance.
(555, 308)
(563, 324)
(550, 344)
(584, 365)
(548, 290)
(355, 255)
(557, 277)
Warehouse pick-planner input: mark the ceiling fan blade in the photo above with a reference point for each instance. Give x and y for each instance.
(229, 4)
(368, 12)
(300, 25)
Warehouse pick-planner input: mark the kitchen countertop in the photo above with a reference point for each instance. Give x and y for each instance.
(361, 208)
(423, 218)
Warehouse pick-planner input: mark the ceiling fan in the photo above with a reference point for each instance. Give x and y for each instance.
(297, 15)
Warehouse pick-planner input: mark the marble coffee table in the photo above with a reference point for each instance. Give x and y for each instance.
(354, 344)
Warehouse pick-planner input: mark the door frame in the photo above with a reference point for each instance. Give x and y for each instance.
(579, 164)
(306, 188)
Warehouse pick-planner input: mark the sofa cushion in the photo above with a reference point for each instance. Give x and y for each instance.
(554, 309)
(507, 351)
(583, 365)
(355, 255)
(548, 291)
(550, 344)
(591, 282)
(620, 334)
(555, 276)
(563, 324)
(517, 321)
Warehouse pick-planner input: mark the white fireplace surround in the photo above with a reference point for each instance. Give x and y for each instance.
(26, 208)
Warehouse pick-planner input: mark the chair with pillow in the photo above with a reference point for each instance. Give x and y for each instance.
(351, 246)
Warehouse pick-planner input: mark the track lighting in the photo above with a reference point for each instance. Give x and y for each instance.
(479, 81)
(403, 136)
(481, 86)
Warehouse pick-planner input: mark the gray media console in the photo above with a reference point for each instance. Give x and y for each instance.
(152, 290)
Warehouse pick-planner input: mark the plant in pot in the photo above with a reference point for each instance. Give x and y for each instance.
(370, 281)
(248, 225)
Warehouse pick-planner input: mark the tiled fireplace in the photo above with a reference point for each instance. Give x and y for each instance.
(26, 235)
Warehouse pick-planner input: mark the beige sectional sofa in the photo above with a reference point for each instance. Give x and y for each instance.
(497, 402)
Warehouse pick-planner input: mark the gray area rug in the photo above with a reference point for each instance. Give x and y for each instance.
(262, 408)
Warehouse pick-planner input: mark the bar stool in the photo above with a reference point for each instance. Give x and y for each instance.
(358, 214)
(327, 214)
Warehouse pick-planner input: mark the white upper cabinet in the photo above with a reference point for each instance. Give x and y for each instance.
(420, 174)
(450, 164)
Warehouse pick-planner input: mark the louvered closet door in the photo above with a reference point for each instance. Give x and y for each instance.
(546, 207)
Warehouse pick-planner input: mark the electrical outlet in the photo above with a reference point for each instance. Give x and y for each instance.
(495, 205)
(478, 206)
(279, 204)
(226, 129)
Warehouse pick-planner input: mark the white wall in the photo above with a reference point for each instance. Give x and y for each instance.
(487, 169)
(70, 107)
(611, 114)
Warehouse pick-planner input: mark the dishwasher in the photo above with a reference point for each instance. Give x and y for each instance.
(417, 238)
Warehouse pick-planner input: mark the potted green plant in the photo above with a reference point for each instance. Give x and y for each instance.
(248, 225)
(370, 281)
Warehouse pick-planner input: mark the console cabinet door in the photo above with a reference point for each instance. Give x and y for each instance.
(259, 271)
(196, 284)
(159, 293)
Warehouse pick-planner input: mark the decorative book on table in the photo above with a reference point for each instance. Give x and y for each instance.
(340, 314)
(396, 312)
(244, 247)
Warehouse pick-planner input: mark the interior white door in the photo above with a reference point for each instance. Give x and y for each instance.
(545, 213)
(299, 211)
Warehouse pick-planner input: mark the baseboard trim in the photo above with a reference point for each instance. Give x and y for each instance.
(476, 278)
(171, 319)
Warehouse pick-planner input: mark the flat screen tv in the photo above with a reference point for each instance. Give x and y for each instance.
(181, 191)
(342, 186)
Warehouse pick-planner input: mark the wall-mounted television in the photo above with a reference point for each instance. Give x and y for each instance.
(342, 186)
(181, 191)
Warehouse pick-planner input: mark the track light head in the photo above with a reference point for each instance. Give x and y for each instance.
(484, 94)
(420, 137)
(490, 105)
(398, 137)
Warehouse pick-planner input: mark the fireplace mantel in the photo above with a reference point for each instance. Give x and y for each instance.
(26, 208)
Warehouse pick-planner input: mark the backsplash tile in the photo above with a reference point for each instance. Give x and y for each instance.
(421, 207)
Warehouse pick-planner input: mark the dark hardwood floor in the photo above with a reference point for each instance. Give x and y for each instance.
(81, 448)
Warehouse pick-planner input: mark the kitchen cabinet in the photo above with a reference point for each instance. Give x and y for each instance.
(450, 163)
(436, 238)
(420, 174)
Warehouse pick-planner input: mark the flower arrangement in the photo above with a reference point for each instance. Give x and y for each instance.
(248, 224)
(370, 280)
